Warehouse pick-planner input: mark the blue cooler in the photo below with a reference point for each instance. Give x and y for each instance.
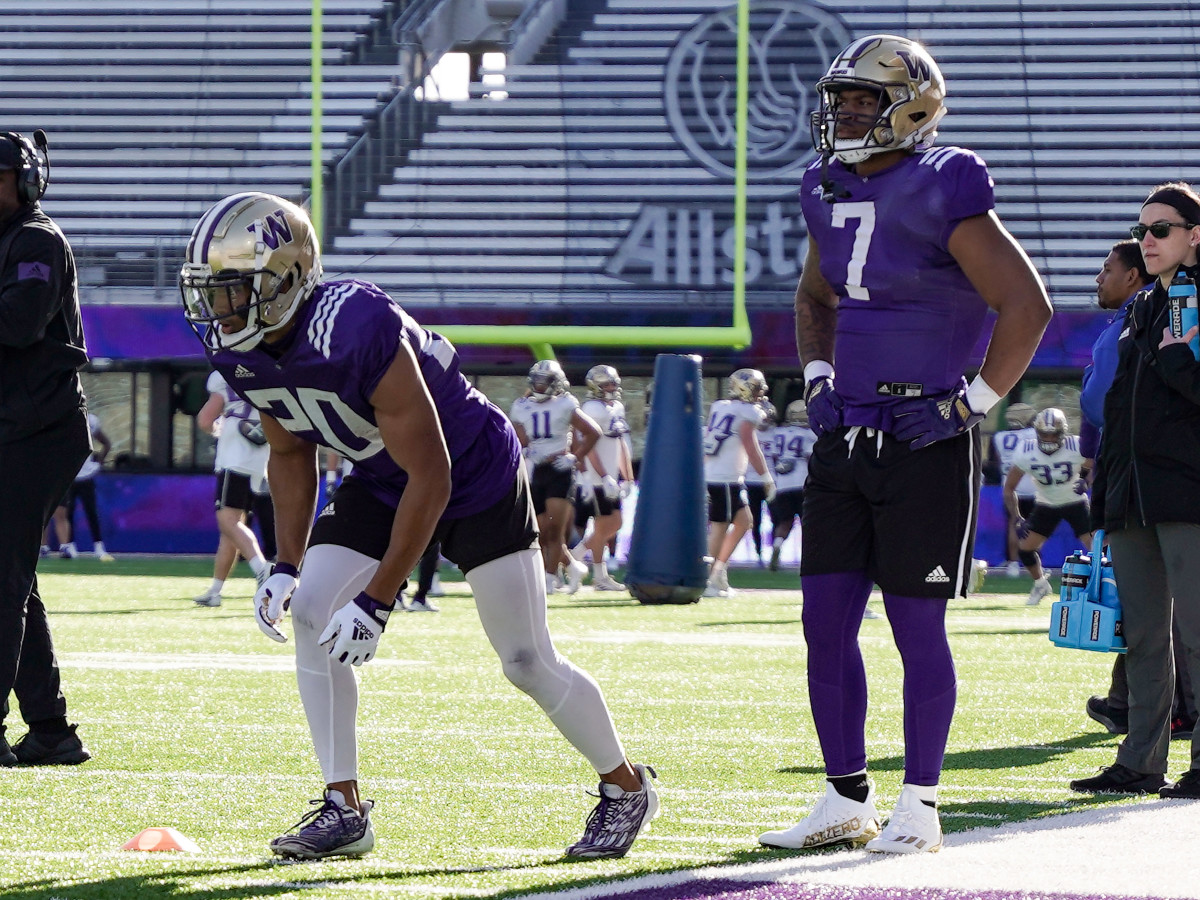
(1087, 615)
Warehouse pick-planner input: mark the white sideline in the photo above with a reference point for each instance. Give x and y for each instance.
(1146, 849)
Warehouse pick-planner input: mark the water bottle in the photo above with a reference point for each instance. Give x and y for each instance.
(1181, 301)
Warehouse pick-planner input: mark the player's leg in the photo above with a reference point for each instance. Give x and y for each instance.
(340, 824)
(494, 550)
(604, 528)
(1042, 522)
(838, 537)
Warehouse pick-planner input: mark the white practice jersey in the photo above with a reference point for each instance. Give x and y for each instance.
(793, 447)
(725, 458)
(1008, 444)
(1054, 474)
(234, 451)
(610, 416)
(547, 424)
(91, 465)
(766, 443)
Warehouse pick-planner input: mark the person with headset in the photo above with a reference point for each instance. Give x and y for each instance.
(43, 430)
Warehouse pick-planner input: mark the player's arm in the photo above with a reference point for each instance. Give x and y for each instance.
(103, 443)
(522, 435)
(210, 412)
(584, 434)
(292, 474)
(412, 433)
(1004, 276)
(816, 311)
(749, 436)
(1010, 490)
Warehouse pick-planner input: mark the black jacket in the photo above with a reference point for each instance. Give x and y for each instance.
(41, 331)
(1148, 471)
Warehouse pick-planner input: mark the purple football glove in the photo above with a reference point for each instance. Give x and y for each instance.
(1021, 526)
(927, 419)
(824, 405)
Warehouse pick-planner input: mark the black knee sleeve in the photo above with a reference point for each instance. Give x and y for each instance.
(1029, 558)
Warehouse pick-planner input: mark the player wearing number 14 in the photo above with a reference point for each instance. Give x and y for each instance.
(905, 257)
(340, 365)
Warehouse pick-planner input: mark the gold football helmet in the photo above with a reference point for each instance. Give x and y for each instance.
(748, 385)
(547, 379)
(259, 241)
(912, 97)
(603, 383)
(1051, 427)
(796, 413)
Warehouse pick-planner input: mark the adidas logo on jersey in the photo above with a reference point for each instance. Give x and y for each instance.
(937, 576)
(242, 372)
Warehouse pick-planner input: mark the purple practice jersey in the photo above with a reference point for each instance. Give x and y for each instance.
(345, 338)
(908, 318)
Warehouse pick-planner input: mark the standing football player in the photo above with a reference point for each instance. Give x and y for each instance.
(340, 365)
(1002, 449)
(756, 482)
(556, 435)
(905, 256)
(730, 445)
(1053, 460)
(793, 443)
(600, 495)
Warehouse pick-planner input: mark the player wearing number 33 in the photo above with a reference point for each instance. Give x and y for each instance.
(905, 256)
(340, 365)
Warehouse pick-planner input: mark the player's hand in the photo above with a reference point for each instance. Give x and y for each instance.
(609, 486)
(1081, 486)
(1021, 527)
(354, 630)
(824, 405)
(272, 600)
(771, 490)
(924, 420)
(564, 462)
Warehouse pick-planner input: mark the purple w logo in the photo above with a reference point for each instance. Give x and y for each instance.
(918, 69)
(274, 229)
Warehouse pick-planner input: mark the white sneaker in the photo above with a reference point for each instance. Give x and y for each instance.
(1041, 588)
(834, 821)
(435, 587)
(425, 605)
(913, 828)
(552, 584)
(607, 583)
(1012, 570)
(208, 598)
(869, 613)
(575, 575)
(712, 589)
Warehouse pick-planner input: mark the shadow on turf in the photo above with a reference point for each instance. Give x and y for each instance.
(986, 757)
(285, 878)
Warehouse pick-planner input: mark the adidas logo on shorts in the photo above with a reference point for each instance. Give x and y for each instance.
(937, 576)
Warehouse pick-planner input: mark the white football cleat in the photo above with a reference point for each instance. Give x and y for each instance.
(576, 572)
(607, 583)
(1012, 570)
(834, 821)
(979, 569)
(208, 598)
(869, 613)
(913, 828)
(1041, 588)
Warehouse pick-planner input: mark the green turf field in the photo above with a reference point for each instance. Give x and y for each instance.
(194, 722)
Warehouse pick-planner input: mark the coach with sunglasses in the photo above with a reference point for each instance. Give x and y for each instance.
(1147, 497)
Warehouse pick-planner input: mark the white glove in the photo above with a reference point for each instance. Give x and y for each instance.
(354, 630)
(769, 488)
(565, 462)
(611, 489)
(626, 489)
(272, 600)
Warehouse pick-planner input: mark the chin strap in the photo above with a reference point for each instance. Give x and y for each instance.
(830, 192)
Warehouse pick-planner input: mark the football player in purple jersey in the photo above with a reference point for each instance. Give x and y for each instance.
(340, 365)
(905, 257)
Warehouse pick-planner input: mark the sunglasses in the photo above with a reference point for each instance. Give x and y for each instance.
(1159, 229)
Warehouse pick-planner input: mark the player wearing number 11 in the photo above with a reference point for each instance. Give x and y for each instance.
(340, 365)
(905, 256)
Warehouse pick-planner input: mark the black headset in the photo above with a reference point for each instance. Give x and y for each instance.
(33, 171)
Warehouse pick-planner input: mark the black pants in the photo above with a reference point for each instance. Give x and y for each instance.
(40, 469)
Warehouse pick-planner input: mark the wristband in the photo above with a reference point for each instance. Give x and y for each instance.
(282, 568)
(981, 397)
(818, 368)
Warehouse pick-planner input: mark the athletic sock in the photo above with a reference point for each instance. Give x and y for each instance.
(853, 787)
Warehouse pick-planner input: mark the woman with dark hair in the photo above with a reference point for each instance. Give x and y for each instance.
(1147, 498)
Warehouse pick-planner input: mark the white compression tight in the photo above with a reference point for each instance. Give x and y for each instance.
(510, 596)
